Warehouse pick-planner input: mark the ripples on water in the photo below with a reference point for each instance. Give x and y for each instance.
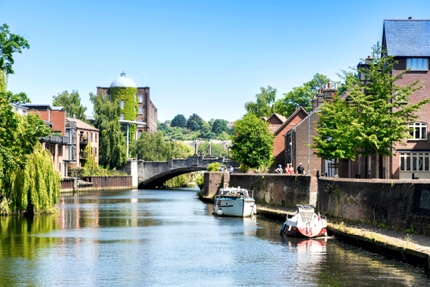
(170, 238)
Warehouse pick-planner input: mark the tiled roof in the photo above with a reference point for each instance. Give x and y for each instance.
(407, 38)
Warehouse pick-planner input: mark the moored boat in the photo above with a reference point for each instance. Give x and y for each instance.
(234, 201)
(305, 223)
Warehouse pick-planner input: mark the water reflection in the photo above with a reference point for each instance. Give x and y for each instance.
(162, 237)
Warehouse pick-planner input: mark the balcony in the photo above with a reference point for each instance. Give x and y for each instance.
(53, 139)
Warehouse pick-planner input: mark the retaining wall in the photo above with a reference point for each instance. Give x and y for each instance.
(274, 189)
(396, 204)
(96, 183)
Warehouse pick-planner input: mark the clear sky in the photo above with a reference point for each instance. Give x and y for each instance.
(208, 57)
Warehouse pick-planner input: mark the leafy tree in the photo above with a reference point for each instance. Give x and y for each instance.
(195, 122)
(90, 166)
(219, 126)
(373, 117)
(265, 103)
(252, 144)
(217, 149)
(112, 143)
(71, 103)
(179, 121)
(300, 96)
(152, 147)
(9, 44)
(28, 180)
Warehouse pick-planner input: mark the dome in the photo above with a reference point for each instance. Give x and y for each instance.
(123, 82)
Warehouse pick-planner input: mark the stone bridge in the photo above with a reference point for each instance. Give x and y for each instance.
(153, 174)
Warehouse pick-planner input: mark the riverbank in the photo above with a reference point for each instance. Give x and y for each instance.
(410, 248)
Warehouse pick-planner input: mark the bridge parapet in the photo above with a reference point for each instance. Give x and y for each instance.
(151, 174)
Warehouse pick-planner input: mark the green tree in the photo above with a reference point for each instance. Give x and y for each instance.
(300, 96)
(9, 44)
(252, 143)
(90, 166)
(219, 126)
(265, 103)
(112, 143)
(195, 122)
(71, 104)
(153, 147)
(179, 121)
(373, 117)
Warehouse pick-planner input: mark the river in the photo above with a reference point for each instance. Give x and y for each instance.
(171, 238)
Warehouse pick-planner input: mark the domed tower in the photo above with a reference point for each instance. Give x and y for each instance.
(135, 103)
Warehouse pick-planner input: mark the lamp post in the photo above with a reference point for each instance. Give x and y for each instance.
(209, 148)
(291, 142)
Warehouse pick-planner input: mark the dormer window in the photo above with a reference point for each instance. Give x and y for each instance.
(418, 131)
(417, 64)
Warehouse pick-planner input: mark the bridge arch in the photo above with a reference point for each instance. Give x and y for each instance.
(157, 181)
(153, 174)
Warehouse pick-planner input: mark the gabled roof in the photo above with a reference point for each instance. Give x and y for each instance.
(278, 117)
(290, 118)
(82, 125)
(406, 38)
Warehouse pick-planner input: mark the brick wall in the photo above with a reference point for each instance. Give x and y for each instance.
(274, 189)
(399, 204)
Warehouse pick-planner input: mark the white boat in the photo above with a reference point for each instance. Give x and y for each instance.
(234, 201)
(305, 223)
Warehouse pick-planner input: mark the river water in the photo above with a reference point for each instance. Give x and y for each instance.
(171, 238)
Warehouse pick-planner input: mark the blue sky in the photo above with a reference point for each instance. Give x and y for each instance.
(208, 57)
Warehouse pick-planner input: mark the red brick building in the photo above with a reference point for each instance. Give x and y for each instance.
(298, 138)
(279, 126)
(409, 42)
(146, 110)
(68, 139)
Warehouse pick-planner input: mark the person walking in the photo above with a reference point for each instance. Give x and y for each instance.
(300, 169)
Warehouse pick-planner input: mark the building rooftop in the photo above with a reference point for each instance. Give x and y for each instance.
(406, 38)
(123, 82)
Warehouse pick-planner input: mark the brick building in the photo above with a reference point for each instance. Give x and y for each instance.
(146, 120)
(409, 42)
(298, 138)
(68, 139)
(279, 126)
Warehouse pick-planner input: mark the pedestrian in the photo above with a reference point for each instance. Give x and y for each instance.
(291, 170)
(300, 169)
(231, 169)
(279, 169)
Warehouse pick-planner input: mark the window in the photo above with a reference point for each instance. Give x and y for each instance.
(417, 64)
(121, 104)
(140, 110)
(140, 99)
(414, 161)
(121, 117)
(418, 131)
